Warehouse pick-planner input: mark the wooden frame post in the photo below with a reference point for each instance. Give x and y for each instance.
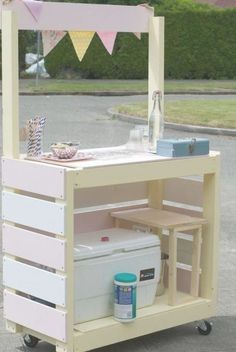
(69, 270)
(210, 238)
(156, 59)
(10, 83)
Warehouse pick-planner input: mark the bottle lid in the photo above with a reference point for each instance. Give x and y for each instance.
(125, 277)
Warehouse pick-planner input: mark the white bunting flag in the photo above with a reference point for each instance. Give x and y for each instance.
(81, 41)
(50, 40)
(108, 40)
(138, 35)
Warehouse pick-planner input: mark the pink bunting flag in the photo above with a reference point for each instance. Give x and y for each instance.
(50, 40)
(108, 40)
(34, 7)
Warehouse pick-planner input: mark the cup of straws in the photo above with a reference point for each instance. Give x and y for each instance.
(35, 128)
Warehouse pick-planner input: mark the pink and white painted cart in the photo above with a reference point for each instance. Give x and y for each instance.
(44, 204)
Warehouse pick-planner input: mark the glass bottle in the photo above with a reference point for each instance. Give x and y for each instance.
(156, 121)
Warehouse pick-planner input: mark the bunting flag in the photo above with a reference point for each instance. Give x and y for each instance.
(108, 40)
(81, 41)
(51, 39)
(138, 35)
(34, 7)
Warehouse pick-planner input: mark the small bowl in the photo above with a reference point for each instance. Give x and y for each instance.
(64, 150)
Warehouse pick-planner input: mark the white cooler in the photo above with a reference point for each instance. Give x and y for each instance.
(99, 255)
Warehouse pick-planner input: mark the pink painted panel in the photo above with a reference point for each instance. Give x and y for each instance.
(35, 316)
(84, 17)
(110, 194)
(34, 177)
(183, 280)
(96, 220)
(184, 191)
(33, 246)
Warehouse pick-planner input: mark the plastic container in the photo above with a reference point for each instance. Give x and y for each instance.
(99, 256)
(125, 285)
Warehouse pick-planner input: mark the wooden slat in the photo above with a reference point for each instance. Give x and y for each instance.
(158, 218)
(33, 212)
(34, 281)
(36, 316)
(157, 317)
(33, 246)
(33, 177)
(83, 17)
(146, 171)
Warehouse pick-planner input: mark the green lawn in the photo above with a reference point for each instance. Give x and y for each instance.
(95, 85)
(73, 86)
(214, 113)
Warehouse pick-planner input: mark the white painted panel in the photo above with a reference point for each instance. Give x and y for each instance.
(33, 246)
(35, 316)
(84, 17)
(33, 177)
(34, 281)
(32, 212)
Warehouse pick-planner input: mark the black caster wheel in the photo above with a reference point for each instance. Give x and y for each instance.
(204, 328)
(30, 341)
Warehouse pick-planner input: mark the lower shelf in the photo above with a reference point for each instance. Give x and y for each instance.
(159, 316)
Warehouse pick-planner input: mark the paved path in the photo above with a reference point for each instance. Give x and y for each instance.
(70, 117)
(84, 118)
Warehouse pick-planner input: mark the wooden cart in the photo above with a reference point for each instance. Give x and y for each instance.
(44, 204)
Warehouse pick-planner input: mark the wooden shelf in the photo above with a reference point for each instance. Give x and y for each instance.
(156, 317)
(160, 305)
(158, 218)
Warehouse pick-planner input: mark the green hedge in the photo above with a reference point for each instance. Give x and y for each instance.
(198, 44)
(201, 44)
(97, 63)
(26, 39)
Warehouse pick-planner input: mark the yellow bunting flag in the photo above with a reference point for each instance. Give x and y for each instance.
(81, 41)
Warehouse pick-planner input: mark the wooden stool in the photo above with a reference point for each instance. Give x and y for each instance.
(173, 223)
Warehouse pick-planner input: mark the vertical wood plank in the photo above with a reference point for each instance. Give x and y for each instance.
(69, 235)
(156, 59)
(210, 243)
(196, 257)
(155, 194)
(10, 82)
(155, 198)
(10, 98)
(172, 267)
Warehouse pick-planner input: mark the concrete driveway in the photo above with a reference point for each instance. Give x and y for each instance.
(84, 118)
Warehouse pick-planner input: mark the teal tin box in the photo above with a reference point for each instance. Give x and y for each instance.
(183, 147)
